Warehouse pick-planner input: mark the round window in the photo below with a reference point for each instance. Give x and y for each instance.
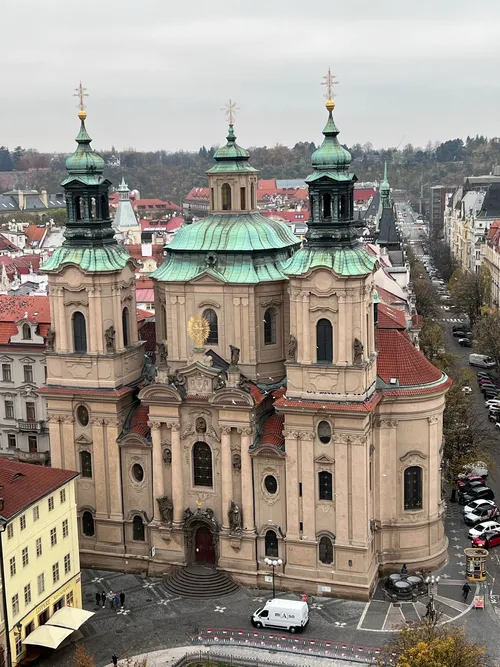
(82, 414)
(271, 484)
(137, 472)
(324, 432)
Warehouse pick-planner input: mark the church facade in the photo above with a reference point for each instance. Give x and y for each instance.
(285, 418)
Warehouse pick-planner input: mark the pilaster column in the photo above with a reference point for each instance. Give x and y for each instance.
(342, 330)
(117, 317)
(246, 480)
(55, 441)
(92, 320)
(63, 324)
(177, 473)
(101, 481)
(306, 330)
(68, 439)
(181, 300)
(292, 485)
(237, 326)
(226, 473)
(158, 481)
(308, 485)
(111, 433)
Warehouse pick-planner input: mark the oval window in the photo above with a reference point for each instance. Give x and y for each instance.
(82, 414)
(137, 472)
(324, 432)
(271, 484)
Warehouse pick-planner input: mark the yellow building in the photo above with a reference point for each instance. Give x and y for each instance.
(40, 563)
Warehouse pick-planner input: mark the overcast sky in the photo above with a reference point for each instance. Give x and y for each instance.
(158, 72)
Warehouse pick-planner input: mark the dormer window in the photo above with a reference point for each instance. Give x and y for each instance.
(26, 332)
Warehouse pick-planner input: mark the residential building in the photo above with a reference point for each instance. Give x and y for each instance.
(31, 201)
(125, 222)
(24, 327)
(492, 261)
(3, 633)
(39, 545)
(260, 433)
(438, 198)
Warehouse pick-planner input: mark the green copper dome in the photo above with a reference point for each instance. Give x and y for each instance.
(84, 161)
(385, 183)
(231, 157)
(331, 156)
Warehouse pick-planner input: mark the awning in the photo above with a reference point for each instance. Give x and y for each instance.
(48, 635)
(69, 617)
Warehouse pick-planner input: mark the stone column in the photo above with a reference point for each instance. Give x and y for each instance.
(292, 485)
(343, 329)
(63, 324)
(246, 480)
(307, 357)
(111, 433)
(158, 481)
(308, 485)
(181, 300)
(92, 321)
(68, 443)
(226, 474)
(117, 317)
(177, 473)
(101, 481)
(56, 460)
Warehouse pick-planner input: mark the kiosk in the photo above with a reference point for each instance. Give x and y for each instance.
(475, 563)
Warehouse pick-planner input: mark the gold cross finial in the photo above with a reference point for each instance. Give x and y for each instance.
(81, 93)
(329, 81)
(230, 110)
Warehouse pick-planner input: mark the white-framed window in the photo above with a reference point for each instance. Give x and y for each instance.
(6, 373)
(41, 583)
(55, 573)
(36, 513)
(9, 410)
(28, 373)
(51, 503)
(15, 605)
(38, 547)
(25, 556)
(10, 531)
(62, 496)
(53, 537)
(67, 563)
(27, 594)
(22, 522)
(12, 565)
(65, 529)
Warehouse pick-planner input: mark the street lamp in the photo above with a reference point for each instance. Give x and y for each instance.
(271, 562)
(431, 582)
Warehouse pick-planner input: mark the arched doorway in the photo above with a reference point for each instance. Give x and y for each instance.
(204, 549)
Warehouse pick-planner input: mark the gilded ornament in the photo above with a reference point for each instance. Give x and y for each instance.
(198, 330)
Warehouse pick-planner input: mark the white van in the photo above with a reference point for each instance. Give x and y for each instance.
(481, 360)
(287, 614)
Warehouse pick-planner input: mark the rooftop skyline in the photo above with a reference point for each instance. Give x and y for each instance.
(158, 75)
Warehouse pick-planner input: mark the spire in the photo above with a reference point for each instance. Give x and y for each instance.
(385, 190)
(231, 157)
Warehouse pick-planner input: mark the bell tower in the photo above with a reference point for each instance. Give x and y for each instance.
(94, 357)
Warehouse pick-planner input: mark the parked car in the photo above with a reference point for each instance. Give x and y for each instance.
(494, 414)
(467, 390)
(474, 504)
(468, 479)
(484, 527)
(481, 514)
(458, 327)
(477, 493)
(469, 485)
(464, 342)
(481, 360)
(459, 333)
(492, 403)
(487, 540)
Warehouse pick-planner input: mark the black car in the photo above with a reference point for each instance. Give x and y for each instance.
(463, 489)
(484, 376)
(459, 333)
(477, 493)
(489, 386)
(465, 342)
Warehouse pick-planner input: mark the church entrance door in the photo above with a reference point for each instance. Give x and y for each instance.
(204, 546)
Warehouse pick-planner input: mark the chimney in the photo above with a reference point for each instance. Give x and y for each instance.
(45, 199)
(20, 194)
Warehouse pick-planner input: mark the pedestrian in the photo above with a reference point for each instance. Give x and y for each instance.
(122, 599)
(465, 591)
(98, 598)
(117, 601)
(114, 659)
(430, 608)
(103, 598)
(111, 598)
(404, 570)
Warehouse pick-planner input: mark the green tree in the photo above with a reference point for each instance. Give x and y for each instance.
(432, 340)
(487, 335)
(471, 292)
(425, 644)
(6, 163)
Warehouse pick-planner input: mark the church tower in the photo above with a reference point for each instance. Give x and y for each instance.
(127, 226)
(331, 382)
(94, 357)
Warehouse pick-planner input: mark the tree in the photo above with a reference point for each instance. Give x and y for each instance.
(487, 335)
(6, 163)
(82, 658)
(432, 340)
(425, 644)
(471, 292)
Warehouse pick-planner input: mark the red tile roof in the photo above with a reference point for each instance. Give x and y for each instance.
(272, 431)
(390, 318)
(139, 423)
(157, 204)
(15, 308)
(7, 246)
(388, 297)
(22, 484)
(145, 295)
(35, 235)
(20, 264)
(257, 395)
(289, 216)
(266, 184)
(198, 194)
(398, 358)
(307, 404)
(143, 315)
(363, 194)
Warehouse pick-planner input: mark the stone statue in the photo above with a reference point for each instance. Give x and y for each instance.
(235, 355)
(177, 379)
(51, 337)
(220, 382)
(162, 352)
(149, 370)
(109, 335)
(167, 457)
(166, 509)
(358, 351)
(235, 518)
(187, 514)
(291, 348)
(236, 462)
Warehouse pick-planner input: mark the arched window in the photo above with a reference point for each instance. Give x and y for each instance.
(79, 332)
(326, 550)
(413, 488)
(226, 197)
(325, 485)
(271, 544)
(212, 199)
(324, 432)
(88, 527)
(86, 464)
(211, 317)
(327, 206)
(252, 195)
(26, 332)
(243, 199)
(324, 341)
(138, 528)
(270, 327)
(78, 208)
(202, 464)
(104, 207)
(125, 326)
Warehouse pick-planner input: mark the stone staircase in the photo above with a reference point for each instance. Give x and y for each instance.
(197, 581)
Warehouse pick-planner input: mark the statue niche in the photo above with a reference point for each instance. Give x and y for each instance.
(109, 335)
(166, 508)
(235, 519)
(358, 351)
